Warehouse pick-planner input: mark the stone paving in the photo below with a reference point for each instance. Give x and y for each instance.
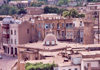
(7, 62)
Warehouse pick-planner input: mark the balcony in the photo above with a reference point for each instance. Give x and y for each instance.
(6, 26)
(5, 35)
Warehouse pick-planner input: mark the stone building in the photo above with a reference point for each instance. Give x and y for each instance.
(14, 33)
(94, 9)
(66, 56)
(19, 4)
(34, 10)
(52, 2)
(64, 29)
(88, 32)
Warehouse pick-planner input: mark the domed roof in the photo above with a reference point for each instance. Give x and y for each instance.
(8, 20)
(50, 40)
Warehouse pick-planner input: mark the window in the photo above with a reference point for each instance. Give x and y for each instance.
(53, 42)
(15, 51)
(63, 25)
(15, 32)
(11, 50)
(11, 32)
(66, 25)
(81, 39)
(71, 34)
(11, 41)
(68, 34)
(80, 23)
(39, 25)
(15, 41)
(46, 26)
(47, 43)
(27, 31)
(63, 34)
(58, 26)
(58, 33)
(42, 26)
(81, 34)
(70, 25)
(53, 25)
(75, 68)
(39, 34)
(8, 50)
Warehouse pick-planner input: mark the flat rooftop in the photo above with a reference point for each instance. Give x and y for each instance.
(90, 52)
(57, 60)
(39, 45)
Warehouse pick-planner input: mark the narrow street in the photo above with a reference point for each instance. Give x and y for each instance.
(7, 62)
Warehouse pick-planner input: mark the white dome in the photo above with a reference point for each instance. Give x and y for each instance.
(50, 40)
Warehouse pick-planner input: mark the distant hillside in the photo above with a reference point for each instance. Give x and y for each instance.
(93, 0)
(69, 0)
(18, 0)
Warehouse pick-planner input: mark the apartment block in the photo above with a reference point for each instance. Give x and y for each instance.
(14, 33)
(19, 4)
(89, 32)
(34, 10)
(64, 29)
(52, 2)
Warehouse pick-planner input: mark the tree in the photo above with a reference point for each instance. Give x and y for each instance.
(81, 15)
(13, 10)
(51, 10)
(39, 66)
(37, 4)
(22, 11)
(8, 10)
(63, 2)
(73, 13)
(65, 13)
